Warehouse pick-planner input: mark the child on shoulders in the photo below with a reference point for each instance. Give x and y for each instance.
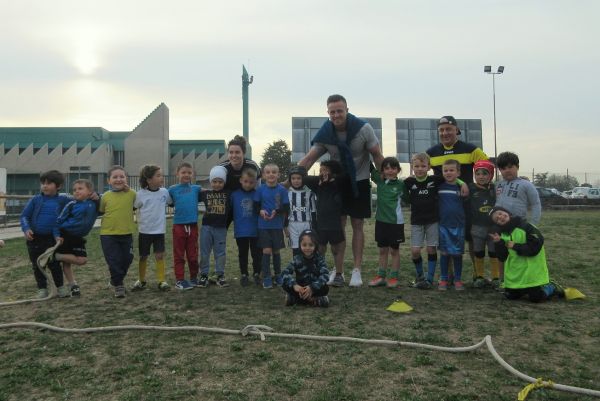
(305, 278)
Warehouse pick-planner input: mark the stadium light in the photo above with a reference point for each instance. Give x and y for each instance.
(488, 70)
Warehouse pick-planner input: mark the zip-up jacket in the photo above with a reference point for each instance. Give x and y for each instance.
(41, 212)
(77, 218)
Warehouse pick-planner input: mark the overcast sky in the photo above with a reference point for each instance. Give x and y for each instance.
(110, 63)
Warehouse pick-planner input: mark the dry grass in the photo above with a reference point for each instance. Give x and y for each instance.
(555, 340)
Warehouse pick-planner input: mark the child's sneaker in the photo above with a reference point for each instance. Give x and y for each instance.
(496, 284)
(164, 286)
(194, 282)
(338, 280)
(559, 291)
(138, 286)
(459, 285)
(267, 282)
(443, 285)
(203, 281)
(278, 280)
(256, 278)
(221, 282)
(322, 302)
(64, 291)
(244, 281)
(183, 285)
(291, 299)
(75, 290)
(422, 284)
(479, 282)
(378, 281)
(120, 291)
(393, 283)
(356, 279)
(42, 293)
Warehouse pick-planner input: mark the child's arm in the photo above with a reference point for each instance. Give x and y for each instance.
(499, 247)
(464, 188)
(375, 176)
(26, 215)
(533, 244)
(312, 182)
(533, 202)
(288, 276)
(323, 274)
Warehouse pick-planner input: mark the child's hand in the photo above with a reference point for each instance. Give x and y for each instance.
(510, 244)
(126, 187)
(464, 190)
(264, 214)
(495, 237)
(94, 196)
(286, 232)
(273, 214)
(29, 235)
(59, 240)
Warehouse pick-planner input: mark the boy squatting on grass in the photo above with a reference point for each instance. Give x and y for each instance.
(305, 278)
(271, 200)
(520, 246)
(75, 222)
(185, 196)
(38, 223)
(330, 230)
(151, 202)
(245, 226)
(389, 221)
(302, 208)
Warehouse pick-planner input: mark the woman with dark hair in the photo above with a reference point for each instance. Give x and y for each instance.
(236, 162)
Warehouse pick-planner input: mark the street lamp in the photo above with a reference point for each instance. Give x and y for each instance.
(488, 70)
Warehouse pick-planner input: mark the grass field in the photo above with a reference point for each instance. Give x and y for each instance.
(557, 340)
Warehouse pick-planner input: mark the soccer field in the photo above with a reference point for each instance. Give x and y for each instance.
(556, 340)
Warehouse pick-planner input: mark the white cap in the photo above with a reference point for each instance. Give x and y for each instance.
(218, 172)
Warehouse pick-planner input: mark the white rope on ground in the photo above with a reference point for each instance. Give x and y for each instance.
(265, 331)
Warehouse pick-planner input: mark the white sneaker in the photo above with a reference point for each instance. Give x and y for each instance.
(356, 279)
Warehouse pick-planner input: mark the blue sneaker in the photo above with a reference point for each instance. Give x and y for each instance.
(194, 282)
(267, 282)
(279, 280)
(183, 285)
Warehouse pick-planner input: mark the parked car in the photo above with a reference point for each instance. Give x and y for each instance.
(546, 194)
(593, 193)
(567, 194)
(584, 193)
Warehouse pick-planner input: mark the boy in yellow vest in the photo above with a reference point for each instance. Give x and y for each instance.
(520, 246)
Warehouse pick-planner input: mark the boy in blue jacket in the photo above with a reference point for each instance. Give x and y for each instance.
(38, 223)
(74, 223)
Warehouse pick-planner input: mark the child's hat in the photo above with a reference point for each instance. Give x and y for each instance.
(301, 170)
(498, 208)
(218, 172)
(485, 164)
(448, 120)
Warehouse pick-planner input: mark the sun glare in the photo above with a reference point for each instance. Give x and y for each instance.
(86, 62)
(86, 44)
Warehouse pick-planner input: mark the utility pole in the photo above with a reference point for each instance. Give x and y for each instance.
(246, 81)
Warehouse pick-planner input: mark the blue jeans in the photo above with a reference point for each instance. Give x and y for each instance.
(212, 239)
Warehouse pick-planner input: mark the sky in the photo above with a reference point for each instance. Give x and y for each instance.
(110, 63)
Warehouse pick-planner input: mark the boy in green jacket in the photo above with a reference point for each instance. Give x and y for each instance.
(520, 246)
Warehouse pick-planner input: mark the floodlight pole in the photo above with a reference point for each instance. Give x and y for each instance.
(246, 81)
(488, 70)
